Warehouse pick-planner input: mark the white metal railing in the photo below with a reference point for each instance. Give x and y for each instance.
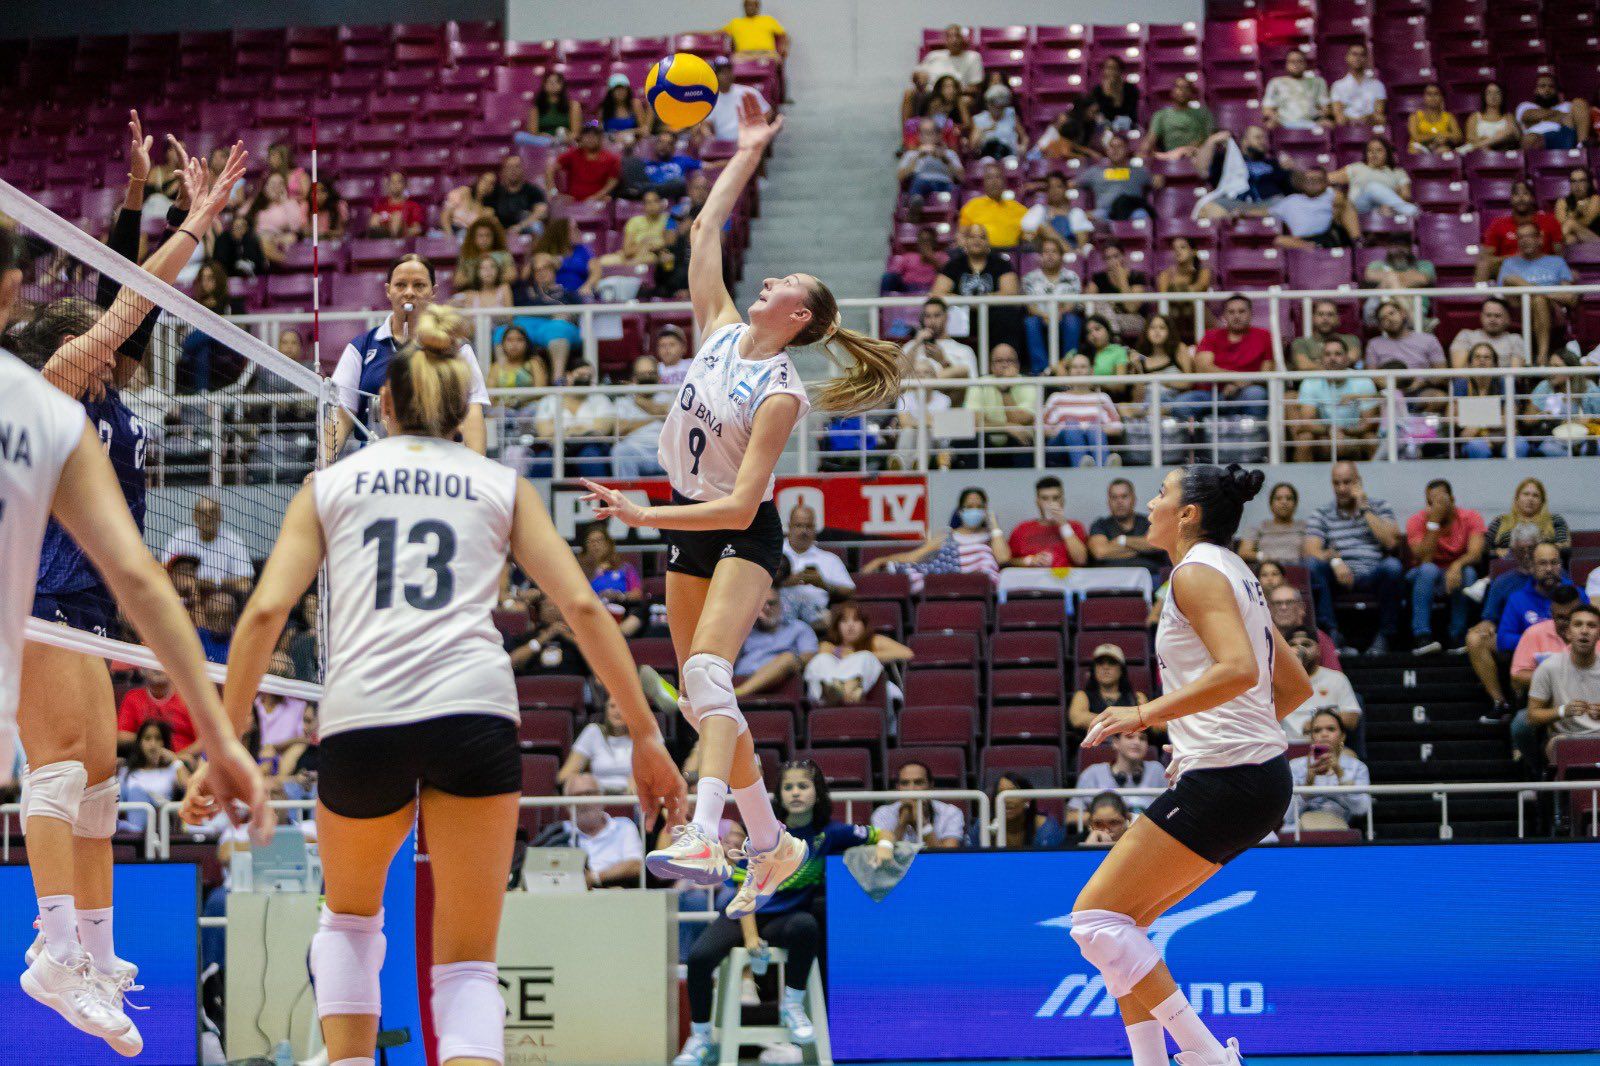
(1441, 791)
(152, 841)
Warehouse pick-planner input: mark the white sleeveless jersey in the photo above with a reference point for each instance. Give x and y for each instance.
(39, 428)
(705, 434)
(417, 531)
(1245, 729)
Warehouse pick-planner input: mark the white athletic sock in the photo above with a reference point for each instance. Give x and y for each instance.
(796, 996)
(58, 921)
(1179, 1019)
(95, 934)
(363, 1061)
(1149, 1043)
(697, 1028)
(711, 796)
(760, 823)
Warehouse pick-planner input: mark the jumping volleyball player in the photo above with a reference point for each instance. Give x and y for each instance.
(67, 710)
(53, 466)
(1228, 678)
(419, 708)
(734, 412)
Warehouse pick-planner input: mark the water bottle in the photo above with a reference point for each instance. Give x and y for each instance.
(282, 1054)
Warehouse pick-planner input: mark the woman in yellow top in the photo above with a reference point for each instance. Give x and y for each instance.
(1432, 128)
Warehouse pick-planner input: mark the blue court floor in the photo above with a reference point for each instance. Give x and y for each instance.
(1582, 1059)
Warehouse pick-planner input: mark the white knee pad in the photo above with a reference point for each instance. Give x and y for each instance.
(54, 790)
(1118, 949)
(469, 1013)
(346, 955)
(97, 814)
(708, 682)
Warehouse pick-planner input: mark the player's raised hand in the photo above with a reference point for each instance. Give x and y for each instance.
(755, 132)
(138, 150)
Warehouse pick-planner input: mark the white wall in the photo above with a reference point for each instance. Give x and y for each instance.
(848, 39)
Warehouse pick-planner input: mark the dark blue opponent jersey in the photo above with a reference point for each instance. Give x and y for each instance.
(62, 565)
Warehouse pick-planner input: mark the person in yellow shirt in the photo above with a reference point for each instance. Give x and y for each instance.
(997, 210)
(757, 36)
(1432, 128)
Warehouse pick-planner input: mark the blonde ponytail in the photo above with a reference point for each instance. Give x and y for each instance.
(428, 379)
(872, 371)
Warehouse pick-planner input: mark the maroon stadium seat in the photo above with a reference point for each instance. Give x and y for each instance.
(547, 729)
(558, 691)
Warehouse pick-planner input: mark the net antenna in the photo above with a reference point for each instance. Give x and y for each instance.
(210, 419)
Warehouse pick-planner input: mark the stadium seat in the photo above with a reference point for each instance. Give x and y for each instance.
(947, 766)
(1026, 648)
(1025, 724)
(942, 726)
(1134, 644)
(551, 691)
(859, 727)
(934, 651)
(1040, 762)
(942, 688)
(1026, 685)
(547, 729)
(772, 729)
(960, 616)
(1113, 612)
(843, 768)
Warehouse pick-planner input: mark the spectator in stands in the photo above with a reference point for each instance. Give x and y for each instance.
(1177, 130)
(157, 699)
(612, 848)
(850, 660)
(997, 210)
(1160, 350)
(1347, 413)
(1121, 189)
(1270, 573)
(1005, 413)
(724, 118)
(1297, 99)
(553, 117)
(671, 351)
(1565, 693)
(517, 203)
(934, 353)
(1116, 277)
(1556, 401)
(573, 257)
(957, 59)
(517, 366)
(1377, 183)
(239, 250)
(817, 577)
(1131, 768)
(1108, 687)
(1288, 610)
(932, 823)
(640, 416)
(976, 269)
(1530, 604)
(556, 334)
(1188, 272)
(622, 114)
(775, 651)
(1107, 357)
(1024, 824)
(1533, 266)
(224, 560)
(915, 271)
(1052, 277)
(1494, 320)
(588, 420)
(1491, 127)
(491, 287)
(200, 352)
(931, 166)
(665, 170)
(1549, 120)
(1358, 96)
(1447, 543)
(1119, 539)
(603, 750)
(1349, 544)
(279, 720)
(1115, 97)
(1235, 347)
(219, 613)
(1281, 538)
(1578, 211)
(465, 204)
(548, 646)
(1079, 419)
(974, 545)
(331, 212)
(484, 239)
(1108, 821)
(151, 773)
(1052, 539)
(1475, 440)
(589, 170)
(1305, 353)
(1329, 763)
(394, 214)
(997, 132)
(1482, 638)
(1399, 343)
(754, 35)
(644, 236)
(1543, 639)
(1330, 689)
(1318, 216)
(1431, 127)
(948, 107)
(1398, 269)
(1529, 504)
(615, 580)
(1500, 238)
(1244, 176)
(1074, 134)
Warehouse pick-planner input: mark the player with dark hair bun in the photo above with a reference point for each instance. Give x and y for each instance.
(1227, 678)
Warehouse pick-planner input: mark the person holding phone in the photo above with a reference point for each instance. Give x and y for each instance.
(817, 577)
(1328, 763)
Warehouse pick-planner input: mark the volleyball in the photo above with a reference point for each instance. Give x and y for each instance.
(682, 88)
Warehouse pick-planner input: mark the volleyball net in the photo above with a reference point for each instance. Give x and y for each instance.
(211, 430)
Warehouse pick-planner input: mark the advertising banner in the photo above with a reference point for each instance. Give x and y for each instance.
(156, 907)
(883, 505)
(1336, 950)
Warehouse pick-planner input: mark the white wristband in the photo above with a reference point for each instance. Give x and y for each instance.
(1561, 711)
(1433, 527)
(1336, 561)
(1122, 540)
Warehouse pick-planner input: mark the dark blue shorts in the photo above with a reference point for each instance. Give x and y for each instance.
(91, 610)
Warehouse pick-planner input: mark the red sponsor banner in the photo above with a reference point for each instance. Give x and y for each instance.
(892, 506)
